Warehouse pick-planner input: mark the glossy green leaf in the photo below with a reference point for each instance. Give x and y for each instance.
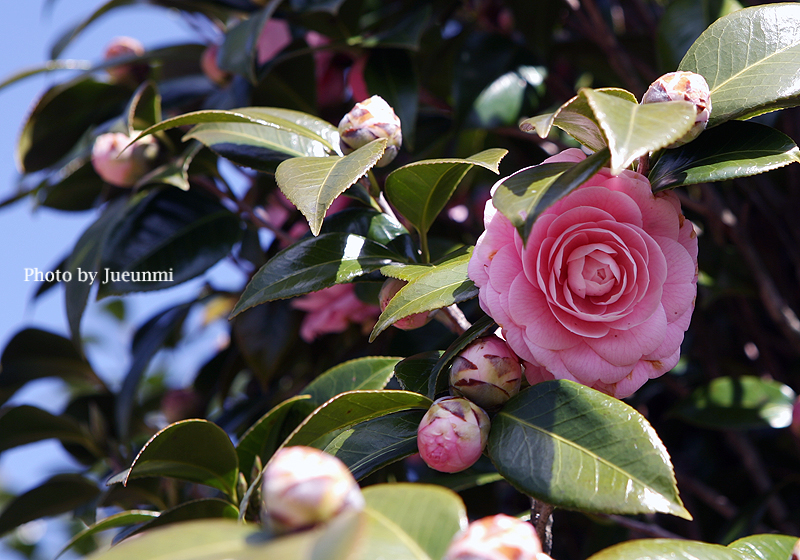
(175, 172)
(263, 437)
(750, 60)
(574, 447)
(420, 190)
(666, 549)
(313, 264)
(765, 547)
(373, 225)
(633, 130)
(576, 118)
(167, 238)
(26, 424)
(368, 373)
(205, 508)
(191, 450)
(121, 519)
(746, 402)
(524, 195)
(59, 494)
(351, 408)
(414, 372)
(426, 515)
(429, 287)
(733, 149)
(375, 443)
(34, 354)
(313, 183)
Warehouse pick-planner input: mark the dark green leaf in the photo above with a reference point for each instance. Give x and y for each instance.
(144, 109)
(733, 149)
(313, 183)
(747, 402)
(420, 190)
(239, 50)
(59, 494)
(33, 354)
(369, 373)
(74, 187)
(574, 447)
(429, 287)
(750, 59)
(26, 424)
(765, 547)
(371, 224)
(313, 264)
(207, 508)
(121, 519)
(168, 237)
(414, 372)
(192, 450)
(666, 549)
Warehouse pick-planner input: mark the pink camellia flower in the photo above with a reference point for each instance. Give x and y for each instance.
(303, 486)
(499, 537)
(389, 289)
(487, 372)
(119, 165)
(274, 37)
(332, 310)
(452, 434)
(604, 290)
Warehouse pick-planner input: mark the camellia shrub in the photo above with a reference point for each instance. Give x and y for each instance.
(519, 285)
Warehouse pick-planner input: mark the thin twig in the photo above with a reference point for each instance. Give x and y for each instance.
(542, 520)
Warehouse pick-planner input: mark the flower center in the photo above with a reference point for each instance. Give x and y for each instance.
(592, 271)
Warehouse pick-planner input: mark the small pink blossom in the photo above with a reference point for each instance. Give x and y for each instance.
(604, 289)
(119, 165)
(499, 537)
(487, 372)
(275, 36)
(452, 434)
(332, 310)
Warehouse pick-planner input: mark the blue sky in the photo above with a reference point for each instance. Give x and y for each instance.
(40, 239)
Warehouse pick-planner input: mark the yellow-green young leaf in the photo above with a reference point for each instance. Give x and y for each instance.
(121, 519)
(313, 183)
(577, 448)
(633, 130)
(203, 508)
(576, 118)
(764, 547)
(429, 287)
(751, 61)
(420, 190)
(666, 549)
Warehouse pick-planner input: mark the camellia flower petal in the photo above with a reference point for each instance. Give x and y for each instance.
(604, 289)
(452, 434)
(332, 310)
(499, 537)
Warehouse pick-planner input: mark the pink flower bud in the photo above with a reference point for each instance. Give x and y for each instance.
(486, 372)
(452, 434)
(370, 120)
(208, 63)
(795, 551)
(683, 86)
(123, 168)
(388, 291)
(499, 537)
(126, 46)
(303, 486)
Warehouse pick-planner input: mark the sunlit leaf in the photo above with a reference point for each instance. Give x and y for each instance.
(368, 373)
(666, 549)
(121, 519)
(765, 547)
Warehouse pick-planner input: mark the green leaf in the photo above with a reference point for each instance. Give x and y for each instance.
(368, 373)
(205, 508)
(374, 225)
(313, 264)
(576, 118)
(750, 60)
(59, 494)
(425, 515)
(743, 403)
(144, 108)
(191, 450)
(633, 130)
(666, 549)
(26, 424)
(121, 519)
(313, 183)
(524, 195)
(733, 149)
(429, 287)
(375, 443)
(239, 50)
(34, 354)
(167, 238)
(351, 408)
(577, 448)
(764, 547)
(414, 372)
(420, 190)
(262, 438)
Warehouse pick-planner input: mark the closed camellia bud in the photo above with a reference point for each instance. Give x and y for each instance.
(452, 434)
(388, 291)
(303, 487)
(212, 71)
(486, 372)
(683, 86)
(499, 537)
(132, 73)
(119, 165)
(371, 120)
